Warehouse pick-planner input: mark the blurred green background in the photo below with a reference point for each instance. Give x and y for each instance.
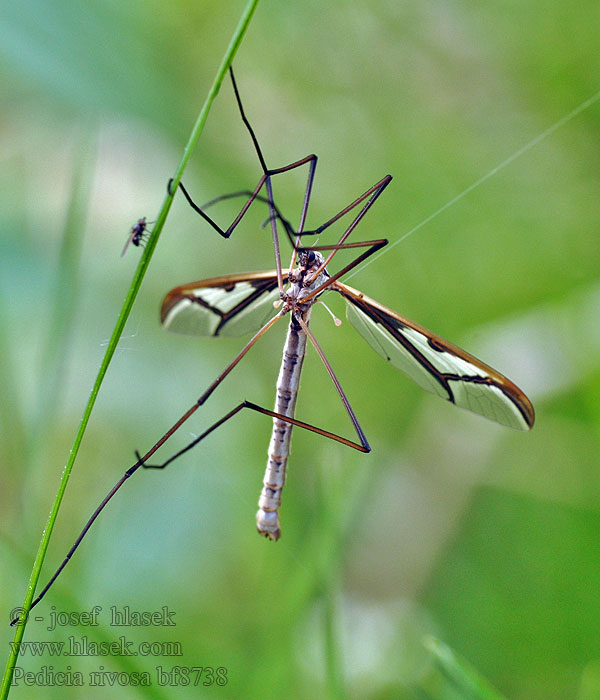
(454, 527)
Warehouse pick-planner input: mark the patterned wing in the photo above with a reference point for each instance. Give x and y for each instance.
(231, 305)
(437, 365)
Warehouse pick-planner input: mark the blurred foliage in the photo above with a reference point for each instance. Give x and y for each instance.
(451, 527)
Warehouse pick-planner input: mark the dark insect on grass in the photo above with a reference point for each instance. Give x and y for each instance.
(138, 235)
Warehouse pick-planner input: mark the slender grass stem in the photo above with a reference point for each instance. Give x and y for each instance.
(459, 678)
(136, 282)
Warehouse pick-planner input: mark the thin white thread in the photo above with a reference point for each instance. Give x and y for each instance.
(517, 154)
(120, 347)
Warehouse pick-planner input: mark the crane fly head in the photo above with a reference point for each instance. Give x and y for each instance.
(309, 262)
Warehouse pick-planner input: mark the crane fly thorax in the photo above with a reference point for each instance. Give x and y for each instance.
(303, 280)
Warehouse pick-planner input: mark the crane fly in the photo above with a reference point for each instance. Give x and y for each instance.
(239, 304)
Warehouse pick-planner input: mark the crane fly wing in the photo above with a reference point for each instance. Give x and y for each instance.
(232, 305)
(435, 364)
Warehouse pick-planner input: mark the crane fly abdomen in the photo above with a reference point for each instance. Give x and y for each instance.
(267, 517)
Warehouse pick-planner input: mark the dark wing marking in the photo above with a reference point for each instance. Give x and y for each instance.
(231, 305)
(435, 364)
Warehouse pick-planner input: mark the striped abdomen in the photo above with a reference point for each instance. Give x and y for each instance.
(267, 517)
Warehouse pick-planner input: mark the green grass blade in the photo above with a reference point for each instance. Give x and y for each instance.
(116, 335)
(459, 678)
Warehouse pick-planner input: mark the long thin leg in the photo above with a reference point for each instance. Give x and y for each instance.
(276, 250)
(301, 232)
(359, 431)
(259, 198)
(373, 193)
(384, 182)
(313, 165)
(226, 233)
(362, 447)
(274, 214)
(141, 460)
(374, 247)
(264, 180)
